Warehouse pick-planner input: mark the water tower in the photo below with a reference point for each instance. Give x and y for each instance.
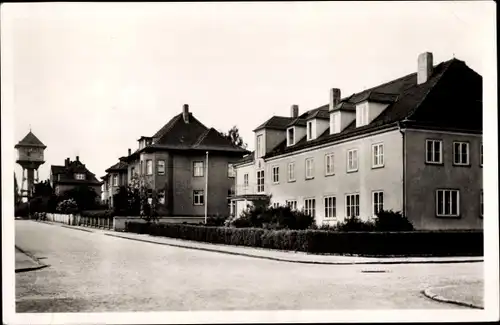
(30, 157)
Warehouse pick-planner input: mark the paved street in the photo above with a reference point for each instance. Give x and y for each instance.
(91, 272)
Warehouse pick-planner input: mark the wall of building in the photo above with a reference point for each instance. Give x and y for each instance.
(424, 179)
(366, 180)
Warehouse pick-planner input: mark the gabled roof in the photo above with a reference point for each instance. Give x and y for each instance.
(30, 140)
(440, 103)
(119, 166)
(276, 123)
(67, 173)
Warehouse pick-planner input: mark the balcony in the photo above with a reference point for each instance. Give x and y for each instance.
(250, 189)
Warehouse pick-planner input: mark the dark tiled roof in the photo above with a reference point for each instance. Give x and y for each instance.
(377, 97)
(30, 140)
(345, 106)
(320, 112)
(213, 140)
(246, 159)
(119, 166)
(276, 122)
(298, 122)
(439, 103)
(67, 173)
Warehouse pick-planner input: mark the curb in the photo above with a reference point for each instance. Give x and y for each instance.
(289, 260)
(36, 260)
(429, 294)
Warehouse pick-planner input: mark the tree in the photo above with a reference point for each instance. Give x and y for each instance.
(234, 136)
(17, 196)
(84, 196)
(142, 196)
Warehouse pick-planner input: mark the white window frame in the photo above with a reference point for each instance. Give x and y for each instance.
(309, 164)
(352, 206)
(460, 153)
(115, 180)
(275, 205)
(433, 141)
(149, 167)
(292, 204)
(231, 173)
(329, 164)
(377, 202)
(378, 155)
(290, 142)
(443, 205)
(80, 176)
(245, 180)
(330, 205)
(310, 206)
(309, 130)
(260, 181)
(198, 197)
(197, 170)
(160, 167)
(291, 172)
(351, 154)
(260, 145)
(276, 174)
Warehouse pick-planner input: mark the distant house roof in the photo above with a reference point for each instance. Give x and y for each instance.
(451, 99)
(30, 140)
(119, 166)
(65, 174)
(178, 134)
(276, 122)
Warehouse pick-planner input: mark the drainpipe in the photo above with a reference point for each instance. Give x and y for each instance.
(403, 138)
(206, 188)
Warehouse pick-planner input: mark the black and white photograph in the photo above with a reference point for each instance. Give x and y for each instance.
(249, 162)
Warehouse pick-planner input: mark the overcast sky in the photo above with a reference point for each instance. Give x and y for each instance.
(92, 78)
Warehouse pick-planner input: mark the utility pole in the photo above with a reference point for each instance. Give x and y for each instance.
(206, 188)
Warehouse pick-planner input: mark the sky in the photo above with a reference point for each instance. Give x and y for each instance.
(91, 78)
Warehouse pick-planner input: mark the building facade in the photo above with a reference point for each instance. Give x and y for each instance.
(174, 164)
(412, 145)
(71, 175)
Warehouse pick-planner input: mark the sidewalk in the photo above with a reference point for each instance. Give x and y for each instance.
(25, 263)
(469, 295)
(276, 255)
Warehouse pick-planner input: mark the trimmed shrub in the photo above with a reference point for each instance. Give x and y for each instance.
(413, 243)
(281, 217)
(392, 221)
(355, 224)
(216, 221)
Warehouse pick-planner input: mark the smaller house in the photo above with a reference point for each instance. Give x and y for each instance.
(116, 177)
(72, 174)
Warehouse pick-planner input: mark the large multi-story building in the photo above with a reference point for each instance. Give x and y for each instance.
(413, 145)
(73, 174)
(173, 163)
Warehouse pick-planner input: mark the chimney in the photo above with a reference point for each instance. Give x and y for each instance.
(77, 158)
(66, 162)
(294, 111)
(424, 71)
(334, 97)
(185, 113)
(129, 151)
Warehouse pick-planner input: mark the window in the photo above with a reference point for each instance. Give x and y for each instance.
(352, 205)
(481, 203)
(161, 196)
(161, 167)
(290, 136)
(142, 170)
(481, 155)
(310, 207)
(245, 180)
(447, 203)
(115, 180)
(460, 153)
(291, 172)
(198, 169)
(149, 167)
(260, 146)
(198, 197)
(309, 168)
(230, 171)
(361, 115)
(260, 181)
(329, 164)
(352, 160)
(377, 202)
(276, 204)
(80, 176)
(434, 154)
(292, 204)
(132, 172)
(309, 130)
(330, 207)
(276, 174)
(378, 155)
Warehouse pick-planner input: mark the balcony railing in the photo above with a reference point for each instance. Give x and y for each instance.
(250, 189)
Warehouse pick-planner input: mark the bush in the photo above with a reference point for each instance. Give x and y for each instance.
(392, 221)
(414, 243)
(22, 210)
(67, 206)
(355, 224)
(273, 218)
(216, 221)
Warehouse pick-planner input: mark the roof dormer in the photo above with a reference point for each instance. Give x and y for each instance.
(342, 113)
(371, 105)
(317, 123)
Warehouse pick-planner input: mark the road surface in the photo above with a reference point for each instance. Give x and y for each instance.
(92, 272)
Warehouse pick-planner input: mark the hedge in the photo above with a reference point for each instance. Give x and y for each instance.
(413, 243)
